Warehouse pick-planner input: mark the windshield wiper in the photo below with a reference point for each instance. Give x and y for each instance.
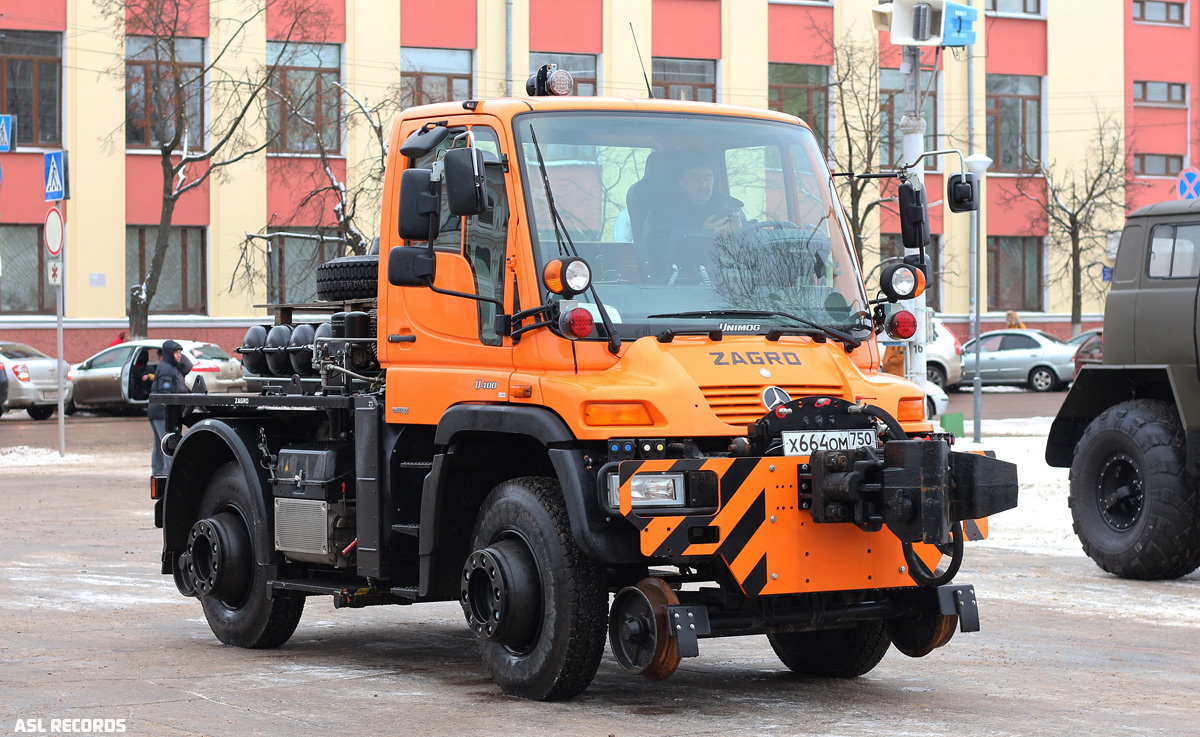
(849, 340)
(560, 230)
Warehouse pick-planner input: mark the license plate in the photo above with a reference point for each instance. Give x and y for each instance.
(807, 443)
(50, 394)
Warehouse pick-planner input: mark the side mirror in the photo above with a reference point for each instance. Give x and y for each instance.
(962, 193)
(418, 211)
(914, 216)
(411, 266)
(902, 281)
(423, 141)
(465, 193)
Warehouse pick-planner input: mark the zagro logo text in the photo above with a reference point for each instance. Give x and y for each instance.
(738, 358)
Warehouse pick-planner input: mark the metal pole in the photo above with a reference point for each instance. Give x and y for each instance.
(976, 260)
(508, 50)
(912, 126)
(62, 378)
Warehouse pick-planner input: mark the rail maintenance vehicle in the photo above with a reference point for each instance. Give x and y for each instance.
(603, 347)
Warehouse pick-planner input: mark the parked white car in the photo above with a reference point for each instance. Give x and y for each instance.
(116, 377)
(943, 356)
(1030, 357)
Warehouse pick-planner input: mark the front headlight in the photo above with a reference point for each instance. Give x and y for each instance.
(649, 490)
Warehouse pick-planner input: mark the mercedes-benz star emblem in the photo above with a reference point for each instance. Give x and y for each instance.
(773, 396)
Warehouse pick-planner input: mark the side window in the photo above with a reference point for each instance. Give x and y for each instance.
(112, 358)
(487, 233)
(1018, 343)
(1162, 240)
(991, 344)
(1173, 252)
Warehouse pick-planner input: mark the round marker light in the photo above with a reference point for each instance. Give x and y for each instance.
(902, 325)
(577, 275)
(902, 281)
(577, 323)
(560, 83)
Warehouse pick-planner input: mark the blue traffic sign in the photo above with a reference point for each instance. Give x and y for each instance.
(1189, 184)
(8, 133)
(1105, 273)
(56, 176)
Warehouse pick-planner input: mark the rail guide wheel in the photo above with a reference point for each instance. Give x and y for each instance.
(638, 630)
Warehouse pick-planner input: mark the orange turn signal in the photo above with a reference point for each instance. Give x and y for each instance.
(552, 276)
(911, 409)
(616, 413)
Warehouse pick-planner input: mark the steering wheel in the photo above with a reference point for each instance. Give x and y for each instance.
(749, 228)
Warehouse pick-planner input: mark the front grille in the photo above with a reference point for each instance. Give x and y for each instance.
(741, 405)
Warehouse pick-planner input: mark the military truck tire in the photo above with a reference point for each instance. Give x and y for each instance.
(1136, 510)
(564, 598)
(1043, 379)
(348, 277)
(836, 653)
(247, 618)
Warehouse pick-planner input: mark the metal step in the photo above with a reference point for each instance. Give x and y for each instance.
(411, 530)
(406, 592)
(349, 593)
(417, 465)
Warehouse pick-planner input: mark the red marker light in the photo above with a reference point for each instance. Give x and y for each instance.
(578, 323)
(902, 325)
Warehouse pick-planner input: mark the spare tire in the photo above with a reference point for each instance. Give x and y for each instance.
(348, 277)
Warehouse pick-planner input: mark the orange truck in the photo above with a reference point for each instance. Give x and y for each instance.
(604, 349)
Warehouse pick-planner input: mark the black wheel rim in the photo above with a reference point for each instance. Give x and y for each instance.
(632, 630)
(501, 593)
(1120, 492)
(220, 558)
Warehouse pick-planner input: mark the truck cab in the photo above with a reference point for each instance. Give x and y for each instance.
(607, 347)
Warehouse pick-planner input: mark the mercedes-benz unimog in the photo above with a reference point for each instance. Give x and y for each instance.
(561, 380)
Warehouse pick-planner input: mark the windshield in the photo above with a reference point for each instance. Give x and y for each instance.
(20, 350)
(688, 213)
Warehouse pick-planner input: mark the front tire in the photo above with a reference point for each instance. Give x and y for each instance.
(1136, 510)
(550, 611)
(836, 653)
(232, 588)
(1043, 379)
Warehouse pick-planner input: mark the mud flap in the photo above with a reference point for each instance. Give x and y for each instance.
(960, 600)
(688, 623)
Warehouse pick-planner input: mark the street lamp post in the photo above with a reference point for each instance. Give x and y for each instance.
(978, 164)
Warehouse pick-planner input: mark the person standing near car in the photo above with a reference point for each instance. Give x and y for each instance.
(168, 379)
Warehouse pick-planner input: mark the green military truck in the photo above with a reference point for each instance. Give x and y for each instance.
(1130, 427)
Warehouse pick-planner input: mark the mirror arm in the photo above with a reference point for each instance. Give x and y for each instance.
(962, 162)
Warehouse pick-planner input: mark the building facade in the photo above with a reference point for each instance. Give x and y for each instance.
(81, 77)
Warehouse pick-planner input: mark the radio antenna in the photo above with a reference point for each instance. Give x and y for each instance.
(649, 89)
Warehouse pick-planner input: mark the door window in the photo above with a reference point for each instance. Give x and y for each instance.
(1018, 343)
(112, 358)
(990, 345)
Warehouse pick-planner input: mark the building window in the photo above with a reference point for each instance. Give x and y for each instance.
(159, 74)
(1157, 165)
(1022, 7)
(292, 260)
(1160, 93)
(305, 100)
(1014, 115)
(183, 280)
(1154, 11)
(891, 247)
(30, 85)
(684, 79)
(1014, 273)
(801, 90)
(581, 66)
(24, 286)
(892, 105)
(434, 75)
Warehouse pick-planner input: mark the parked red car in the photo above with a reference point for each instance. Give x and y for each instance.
(1090, 351)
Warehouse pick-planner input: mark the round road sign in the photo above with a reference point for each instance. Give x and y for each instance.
(54, 231)
(1188, 184)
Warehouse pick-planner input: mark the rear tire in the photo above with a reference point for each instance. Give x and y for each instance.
(41, 411)
(246, 618)
(557, 656)
(348, 277)
(1136, 509)
(936, 374)
(836, 653)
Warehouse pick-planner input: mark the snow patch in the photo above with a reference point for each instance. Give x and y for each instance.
(23, 456)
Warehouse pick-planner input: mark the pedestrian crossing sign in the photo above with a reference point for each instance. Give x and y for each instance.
(8, 137)
(56, 176)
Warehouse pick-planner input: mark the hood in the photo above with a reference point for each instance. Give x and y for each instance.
(169, 347)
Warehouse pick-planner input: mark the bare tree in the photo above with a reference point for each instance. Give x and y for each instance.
(1080, 203)
(167, 77)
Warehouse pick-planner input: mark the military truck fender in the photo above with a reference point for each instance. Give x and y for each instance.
(207, 446)
(1099, 387)
(488, 444)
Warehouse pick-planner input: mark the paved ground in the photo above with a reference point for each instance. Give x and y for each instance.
(88, 629)
(1003, 402)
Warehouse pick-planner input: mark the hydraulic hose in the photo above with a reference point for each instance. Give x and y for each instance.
(920, 573)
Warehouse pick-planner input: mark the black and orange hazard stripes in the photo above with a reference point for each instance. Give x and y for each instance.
(769, 543)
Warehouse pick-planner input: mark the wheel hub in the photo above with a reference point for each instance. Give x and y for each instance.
(218, 561)
(1120, 492)
(638, 630)
(501, 593)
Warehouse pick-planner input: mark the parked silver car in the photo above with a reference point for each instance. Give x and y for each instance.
(32, 380)
(117, 377)
(1031, 357)
(943, 356)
